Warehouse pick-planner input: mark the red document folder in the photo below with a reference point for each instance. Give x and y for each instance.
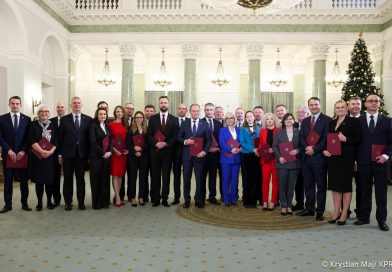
(45, 145)
(159, 136)
(138, 140)
(312, 138)
(264, 154)
(285, 149)
(256, 142)
(333, 144)
(119, 144)
(233, 143)
(214, 143)
(22, 163)
(378, 150)
(196, 148)
(105, 144)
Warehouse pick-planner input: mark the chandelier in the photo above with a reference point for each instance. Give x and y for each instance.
(335, 80)
(267, 5)
(278, 79)
(163, 77)
(220, 79)
(105, 76)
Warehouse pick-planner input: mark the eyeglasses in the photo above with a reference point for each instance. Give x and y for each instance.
(130, 108)
(230, 118)
(373, 101)
(44, 112)
(139, 117)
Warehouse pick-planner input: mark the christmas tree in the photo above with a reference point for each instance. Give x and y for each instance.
(360, 76)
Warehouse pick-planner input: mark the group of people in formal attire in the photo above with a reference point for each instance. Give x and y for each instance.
(278, 154)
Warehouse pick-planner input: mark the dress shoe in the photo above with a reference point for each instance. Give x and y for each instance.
(26, 207)
(283, 213)
(305, 213)
(105, 206)
(38, 208)
(68, 207)
(141, 202)
(81, 207)
(341, 223)
(213, 201)
(56, 204)
(156, 204)
(5, 209)
(298, 208)
(333, 221)
(361, 222)
(383, 226)
(186, 205)
(50, 206)
(175, 202)
(227, 205)
(199, 205)
(265, 208)
(166, 204)
(319, 217)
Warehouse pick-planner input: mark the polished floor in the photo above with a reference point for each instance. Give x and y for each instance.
(158, 239)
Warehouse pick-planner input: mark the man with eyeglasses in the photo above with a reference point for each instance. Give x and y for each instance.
(129, 109)
(376, 134)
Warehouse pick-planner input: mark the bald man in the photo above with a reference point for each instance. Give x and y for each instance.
(61, 110)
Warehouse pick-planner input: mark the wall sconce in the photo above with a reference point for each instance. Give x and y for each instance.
(35, 103)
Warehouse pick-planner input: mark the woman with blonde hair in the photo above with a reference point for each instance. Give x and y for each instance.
(138, 158)
(229, 137)
(271, 125)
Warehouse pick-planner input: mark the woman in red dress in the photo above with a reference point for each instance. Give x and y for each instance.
(119, 159)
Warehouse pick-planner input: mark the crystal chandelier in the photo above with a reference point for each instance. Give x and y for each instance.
(278, 79)
(220, 78)
(235, 5)
(163, 77)
(105, 76)
(335, 80)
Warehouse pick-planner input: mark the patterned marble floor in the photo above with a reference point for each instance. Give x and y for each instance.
(158, 239)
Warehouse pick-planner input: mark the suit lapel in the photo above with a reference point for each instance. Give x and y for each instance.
(377, 123)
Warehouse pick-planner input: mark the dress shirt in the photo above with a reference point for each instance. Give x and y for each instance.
(102, 125)
(233, 134)
(12, 117)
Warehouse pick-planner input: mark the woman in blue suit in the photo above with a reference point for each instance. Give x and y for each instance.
(230, 160)
(249, 161)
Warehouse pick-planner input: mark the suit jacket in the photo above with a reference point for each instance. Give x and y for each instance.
(131, 145)
(224, 136)
(217, 126)
(351, 129)
(96, 135)
(11, 139)
(321, 127)
(72, 141)
(281, 137)
(35, 133)
(185, 132)
(170, 132)
(382, 135)
(263, 137)
(246, 138)
(179, 145)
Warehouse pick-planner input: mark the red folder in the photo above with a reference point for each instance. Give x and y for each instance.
(378, 150)
(333, 144)
(256, 142)
(159, 136)
(285, 149)
(138, 140)
(233, 143)
(119, 144)
(312, 138)
(214, 143)
(264, 154)
(45, 145)
(22, 163)
(105, 143)
(196, 148)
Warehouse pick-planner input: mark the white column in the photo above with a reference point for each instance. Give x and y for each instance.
(191, 53)
(254, 53)
(319, 57)
(128, 52)
(73, 55)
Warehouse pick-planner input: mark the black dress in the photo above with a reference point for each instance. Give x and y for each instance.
(43, 171)
(341, 168)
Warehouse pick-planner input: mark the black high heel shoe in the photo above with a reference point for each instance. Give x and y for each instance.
(333, 221)
(341, 223)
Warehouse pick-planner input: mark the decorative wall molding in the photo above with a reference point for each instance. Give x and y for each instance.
(73, 51)
(319, 51)
(127, 50)
(377, 52)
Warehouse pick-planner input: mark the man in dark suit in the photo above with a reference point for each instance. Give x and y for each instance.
(73, 152)
(376, 130)
(161, 151)
(212, 158)
(149, 110)
(13, 140)
(314, 165)
(177, 160)
(302, 113)
(190, 129)
(219, 115)
(61, 110)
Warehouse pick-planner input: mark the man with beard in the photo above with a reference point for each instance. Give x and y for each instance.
(177, 160)
(149, 110)
(258, 112)
(162, 133)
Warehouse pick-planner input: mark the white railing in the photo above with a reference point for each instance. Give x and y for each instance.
(159, 4)
(353, 4)
(97, 4)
